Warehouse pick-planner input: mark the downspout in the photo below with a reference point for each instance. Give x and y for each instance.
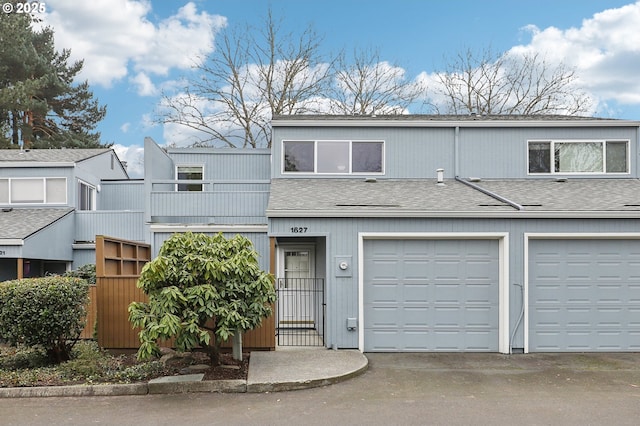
(490, 194)
(456, 144)
(637, 151)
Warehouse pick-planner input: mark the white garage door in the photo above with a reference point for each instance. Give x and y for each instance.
(584, 295)
(431, 295)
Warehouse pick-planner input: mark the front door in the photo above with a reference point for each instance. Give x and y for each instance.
(295, 287)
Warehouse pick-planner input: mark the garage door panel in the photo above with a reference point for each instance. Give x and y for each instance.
(415, 292)
(585, 300)
(445, 295)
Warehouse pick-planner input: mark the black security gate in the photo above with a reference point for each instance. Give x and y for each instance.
(300, 312)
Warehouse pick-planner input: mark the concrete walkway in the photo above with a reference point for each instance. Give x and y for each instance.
(281, 370)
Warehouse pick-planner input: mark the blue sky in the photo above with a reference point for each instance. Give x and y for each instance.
(134, 49)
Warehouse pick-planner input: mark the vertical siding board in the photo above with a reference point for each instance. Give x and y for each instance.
(121, 195)
(120, 224)
(483, 152)
(220, 206)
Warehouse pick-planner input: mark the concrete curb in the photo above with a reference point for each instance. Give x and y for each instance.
(315, 373)
(216, 386)
(76, 390)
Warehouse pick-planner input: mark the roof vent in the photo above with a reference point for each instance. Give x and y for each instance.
(7, 209)
(440, 177)
(561, 180)
(475, 179)
(371, 180)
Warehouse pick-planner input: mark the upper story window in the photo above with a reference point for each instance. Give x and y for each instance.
(33, 191)
(86, 196)
(578, 157)
(190, 173)
(333, 157)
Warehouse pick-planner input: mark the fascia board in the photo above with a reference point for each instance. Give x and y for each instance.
(32, 164)
(457, 214)
(207, 228)
(453, 123)
(11, 242)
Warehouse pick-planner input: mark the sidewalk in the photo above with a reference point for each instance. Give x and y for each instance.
(269, 371)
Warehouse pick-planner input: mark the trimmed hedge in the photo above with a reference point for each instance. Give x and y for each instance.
(44, 312)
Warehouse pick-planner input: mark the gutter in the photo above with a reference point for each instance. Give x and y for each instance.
(490, 194)
(400, 122)
(521, 214)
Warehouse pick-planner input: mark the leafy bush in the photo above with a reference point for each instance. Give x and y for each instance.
(44, 312)
(86, 272)
(197, 286)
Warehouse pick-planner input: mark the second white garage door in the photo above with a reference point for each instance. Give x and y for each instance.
(431, 295)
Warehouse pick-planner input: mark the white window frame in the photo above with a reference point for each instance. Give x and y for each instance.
(93, 195)
(603, 143)
(43, 181)
(179, 166)
(350, 161)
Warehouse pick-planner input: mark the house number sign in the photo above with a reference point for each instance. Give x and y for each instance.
(3, 253)
(299, 229)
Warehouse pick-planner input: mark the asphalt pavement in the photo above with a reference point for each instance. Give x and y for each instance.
(440, 389)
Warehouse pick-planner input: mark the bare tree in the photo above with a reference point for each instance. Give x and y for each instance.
(365, 84)
(251, 76)
(509, 84)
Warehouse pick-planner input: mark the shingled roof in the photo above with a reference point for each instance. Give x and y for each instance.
(50, 155)
(18, 223)
(424, 198)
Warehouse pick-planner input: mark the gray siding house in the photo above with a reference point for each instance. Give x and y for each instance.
(438, 233)
(391, 233)
(52, 204)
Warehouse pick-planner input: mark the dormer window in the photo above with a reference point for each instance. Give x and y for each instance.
(578, 157)
(333, 157)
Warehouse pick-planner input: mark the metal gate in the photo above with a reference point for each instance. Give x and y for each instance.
(300, 312)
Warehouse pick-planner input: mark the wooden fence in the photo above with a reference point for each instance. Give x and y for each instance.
(118, 266)
(92, 314)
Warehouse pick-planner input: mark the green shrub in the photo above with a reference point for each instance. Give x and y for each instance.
(197, 286)
(47, 312)
(86, 272)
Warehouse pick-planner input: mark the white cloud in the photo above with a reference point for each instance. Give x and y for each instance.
(112, 34)
(147, 121)
(143, 84)
(134, 157)
(605, 50)
(180, 41)
(125, 127)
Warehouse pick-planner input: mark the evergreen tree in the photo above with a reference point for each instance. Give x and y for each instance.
(40, 105)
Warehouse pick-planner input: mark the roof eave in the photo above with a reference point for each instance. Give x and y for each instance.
(522, 214)
(31, 164)
(452, 123)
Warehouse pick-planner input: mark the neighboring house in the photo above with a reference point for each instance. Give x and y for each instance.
(50, 202)
(422, 233)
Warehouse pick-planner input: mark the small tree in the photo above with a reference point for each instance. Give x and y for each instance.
(45, 312)
(252, 75)
(201, 285)
(511, 83)
(365, 84)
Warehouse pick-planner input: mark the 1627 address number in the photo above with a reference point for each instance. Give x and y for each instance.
(298, 229)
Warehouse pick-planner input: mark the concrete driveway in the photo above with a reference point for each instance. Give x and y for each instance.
(442, 389)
